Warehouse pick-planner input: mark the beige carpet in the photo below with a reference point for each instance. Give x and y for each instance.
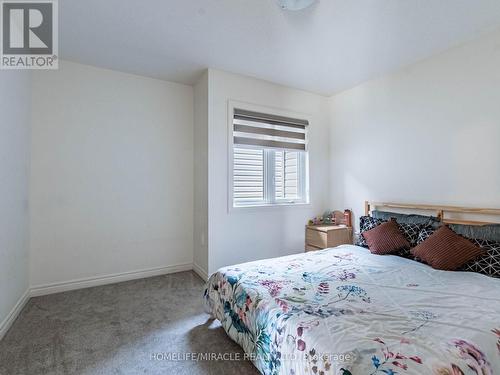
(118, 329)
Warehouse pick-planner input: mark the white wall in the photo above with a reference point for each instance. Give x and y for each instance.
(427, 134)
(200, 219)
(257, 233)
(15, 101)
(112, 174)
(127, 172)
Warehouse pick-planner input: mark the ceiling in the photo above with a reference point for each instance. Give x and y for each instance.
(330, 47)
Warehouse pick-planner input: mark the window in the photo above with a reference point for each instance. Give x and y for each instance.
(269, 160)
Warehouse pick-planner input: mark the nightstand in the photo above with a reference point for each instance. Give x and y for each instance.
(323, 236)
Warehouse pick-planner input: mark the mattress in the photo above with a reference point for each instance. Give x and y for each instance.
(347, 311)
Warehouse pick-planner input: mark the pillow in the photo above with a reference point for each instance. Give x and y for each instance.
(446, 250)
(490, 232)
(409, 230)
(406, 218)
(488, 264)
(367, 223)
(424, 233)
(411, 233)
(385, 238)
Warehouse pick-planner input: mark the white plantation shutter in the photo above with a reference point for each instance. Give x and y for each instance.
(269, 159)
(287, 175)
(248, 175)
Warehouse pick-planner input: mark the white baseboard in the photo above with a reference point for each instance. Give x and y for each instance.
(13, 314)
(42, 290)
(200, 272)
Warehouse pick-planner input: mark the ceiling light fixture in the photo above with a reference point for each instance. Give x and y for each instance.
(295, 4)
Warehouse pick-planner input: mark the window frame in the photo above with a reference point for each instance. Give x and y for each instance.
(304, 184)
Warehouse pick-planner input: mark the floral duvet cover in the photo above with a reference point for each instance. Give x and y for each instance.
(346, 311)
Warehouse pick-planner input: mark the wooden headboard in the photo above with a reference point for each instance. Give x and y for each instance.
(441, 212)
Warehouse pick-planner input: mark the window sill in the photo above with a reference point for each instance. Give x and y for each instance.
(268, 206)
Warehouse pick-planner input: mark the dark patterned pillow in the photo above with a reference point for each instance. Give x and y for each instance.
(424, 234)
(366, 223)
(488, 264)
(411, 233)
(405, 253)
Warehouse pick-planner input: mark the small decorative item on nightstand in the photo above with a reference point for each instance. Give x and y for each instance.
(324, 236)
(333, 218)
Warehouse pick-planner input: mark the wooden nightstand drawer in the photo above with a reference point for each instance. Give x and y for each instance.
(322, 237)
(316, 238)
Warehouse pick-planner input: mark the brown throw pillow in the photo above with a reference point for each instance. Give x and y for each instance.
(385, 239)
(446, 250)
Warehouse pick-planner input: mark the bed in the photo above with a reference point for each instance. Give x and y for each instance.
(346, 311)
